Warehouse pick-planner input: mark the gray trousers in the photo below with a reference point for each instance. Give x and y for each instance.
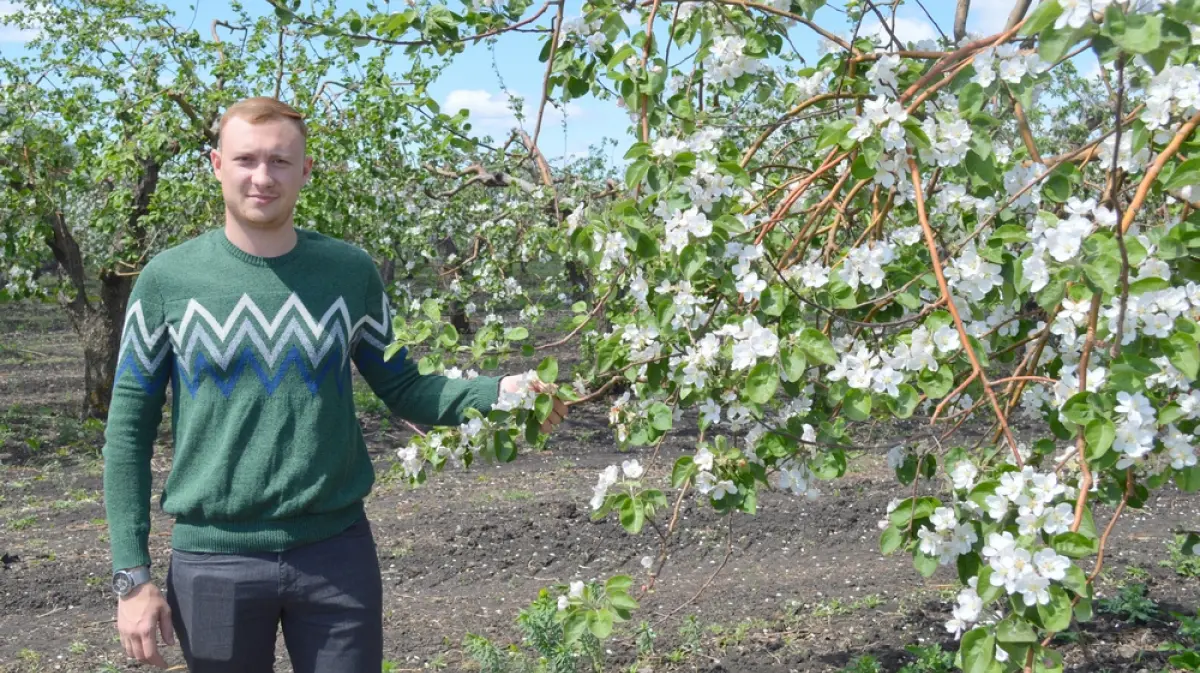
(328, 596)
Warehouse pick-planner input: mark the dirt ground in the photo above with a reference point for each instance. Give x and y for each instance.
(805, 588)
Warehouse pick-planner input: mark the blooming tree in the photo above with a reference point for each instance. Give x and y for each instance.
(923, 231)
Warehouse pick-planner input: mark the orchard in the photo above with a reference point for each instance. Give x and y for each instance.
(967, 232)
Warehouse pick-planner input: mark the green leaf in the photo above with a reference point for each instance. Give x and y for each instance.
(1045, 14)
(1188, 661)
(925, 564)
(905, 403)
(817, 346)
(1056, 615)
(981, 170)
(1055, 42)
(684, 467)
(762, 382)
(978, 650)
(1074, 545)
(622, 601)
(1188, 479)
(890, 540)
(968, 566)
(1187, 173)
(1010, 233)
(692, 260)
(577, 623)
(774, 300)
(600, 623)
(633, 516)
(1013, 629)
(794, 364)
(936, 385)
(543, 405)
(618, 584)
(988, 592)
(1076, 581)
(971, 99)
(1079, 408)
(829, 465)
(1083, 610)
(1151, 284)
(516, 334)
(547, 371)
(636, 173)
(661, 417)
(432, 308)
(506, 449)
(1184, 354)
(1135, 33)
(1099, 433)
(834, 133)
(857, 405)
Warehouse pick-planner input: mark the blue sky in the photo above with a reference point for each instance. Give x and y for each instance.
(472, 83)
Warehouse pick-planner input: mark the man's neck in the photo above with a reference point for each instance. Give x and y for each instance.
(273, 242)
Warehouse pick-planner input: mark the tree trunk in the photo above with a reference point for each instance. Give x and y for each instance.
(388, 272)
(458, 314)
(99, 328)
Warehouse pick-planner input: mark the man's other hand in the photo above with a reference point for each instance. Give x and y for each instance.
(140, 616)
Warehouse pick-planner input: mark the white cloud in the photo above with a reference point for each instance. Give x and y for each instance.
(989, 18)
(908, 30)
(492, 113)
(9, 33)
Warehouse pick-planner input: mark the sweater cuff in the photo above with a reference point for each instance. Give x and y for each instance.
(487, 391)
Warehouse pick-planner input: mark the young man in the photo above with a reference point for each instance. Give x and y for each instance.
(254, 326)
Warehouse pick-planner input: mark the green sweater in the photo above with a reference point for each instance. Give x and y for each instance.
(268, 450)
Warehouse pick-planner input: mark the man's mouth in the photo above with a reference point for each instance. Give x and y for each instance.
(261, 199)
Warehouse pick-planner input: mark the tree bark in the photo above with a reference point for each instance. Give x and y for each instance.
(960, 20)
(458, 314)
(1018, 13)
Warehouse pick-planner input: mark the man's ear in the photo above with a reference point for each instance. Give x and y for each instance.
(215, 157)
(308, 164)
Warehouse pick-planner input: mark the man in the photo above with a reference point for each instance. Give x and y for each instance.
(254, 326)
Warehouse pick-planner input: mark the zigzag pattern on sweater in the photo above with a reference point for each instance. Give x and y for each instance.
(222, 351)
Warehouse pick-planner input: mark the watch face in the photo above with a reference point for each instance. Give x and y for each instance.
(122, 583)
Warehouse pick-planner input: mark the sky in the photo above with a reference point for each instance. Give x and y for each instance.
(472, 83)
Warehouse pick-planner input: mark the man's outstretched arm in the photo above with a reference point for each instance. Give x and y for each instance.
(427, 399)
(139, 391)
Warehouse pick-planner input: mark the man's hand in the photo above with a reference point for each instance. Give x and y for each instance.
(140, 616)
(513, 384)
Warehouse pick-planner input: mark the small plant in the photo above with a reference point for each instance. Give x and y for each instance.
(645, 638)
(691, 634)
(489, 658)
(1183, 563)
(1130, 604)
(77, 647)
(23, 523)
(930, 659)
(864, 664)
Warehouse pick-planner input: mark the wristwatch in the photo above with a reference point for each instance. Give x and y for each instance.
(125, 581)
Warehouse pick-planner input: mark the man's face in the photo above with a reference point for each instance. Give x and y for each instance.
(261, 168)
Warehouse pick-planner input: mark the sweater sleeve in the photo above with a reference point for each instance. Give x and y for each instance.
(427, 399)
(139, 391)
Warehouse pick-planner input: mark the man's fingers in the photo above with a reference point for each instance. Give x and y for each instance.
(164, 624)
(150, 654)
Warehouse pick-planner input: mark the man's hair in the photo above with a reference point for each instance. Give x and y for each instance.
(262, 109)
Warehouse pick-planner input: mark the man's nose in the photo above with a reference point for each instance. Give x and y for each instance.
(262, 175)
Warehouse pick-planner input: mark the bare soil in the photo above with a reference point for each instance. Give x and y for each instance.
(805, 587)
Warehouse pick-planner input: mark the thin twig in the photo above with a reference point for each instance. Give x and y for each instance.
(958, 324)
